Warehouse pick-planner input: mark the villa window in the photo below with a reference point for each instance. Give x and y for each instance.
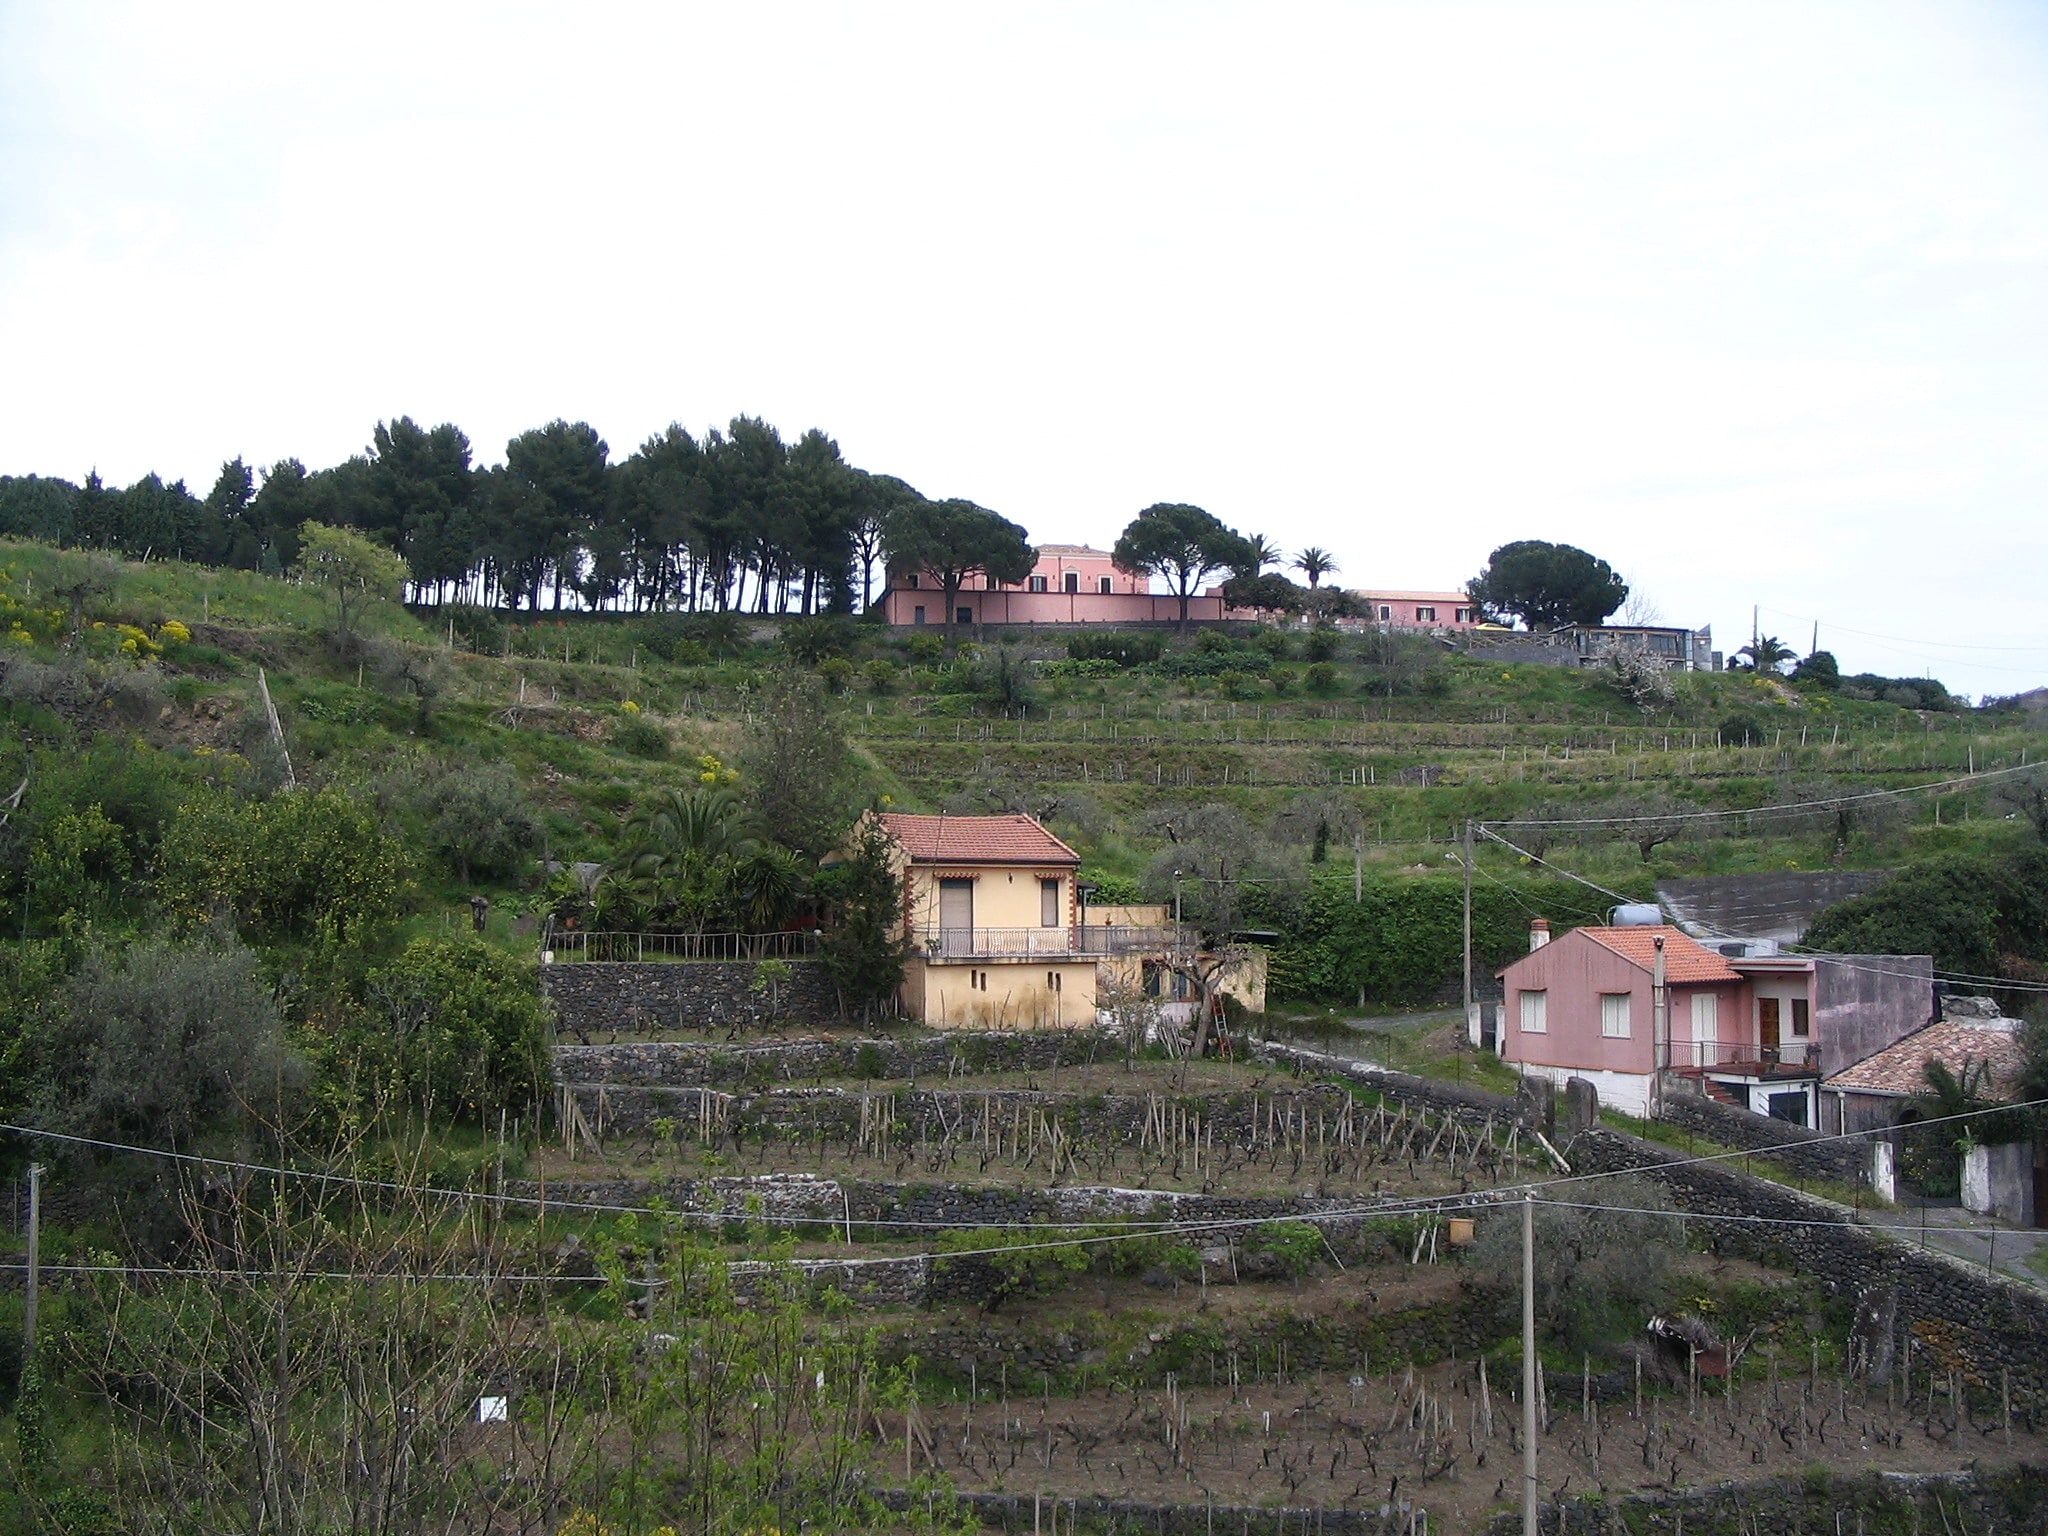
(1535, 1010)
(917, 614)
(963, 615)
(910, 581)
(1073, 581)
(1464, 616)
(1104, 587)
(1425, 615)
(1038, 583)
(1386, 612)
(1614, 1008)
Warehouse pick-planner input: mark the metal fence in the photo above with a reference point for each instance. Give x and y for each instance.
(575, 945)
(1049, 943)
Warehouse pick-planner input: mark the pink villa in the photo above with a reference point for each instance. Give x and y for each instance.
(1417, 610)
(1071, 584)
(1639, 1011)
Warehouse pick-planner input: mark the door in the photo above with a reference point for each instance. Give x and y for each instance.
(1767, 1028)
(956, 917)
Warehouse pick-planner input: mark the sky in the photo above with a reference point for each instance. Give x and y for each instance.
(1750, 300)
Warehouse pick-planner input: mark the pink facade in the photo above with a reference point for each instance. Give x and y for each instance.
(1071, 584)
(1575, 1026)
(1418, 610)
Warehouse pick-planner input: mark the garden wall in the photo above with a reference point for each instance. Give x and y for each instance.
(1792, 1146)
(693, 1064)
(638, 996)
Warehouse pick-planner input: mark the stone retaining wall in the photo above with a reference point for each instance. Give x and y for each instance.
(887, 1209)
(693, 1064)
(1792, 1146)
(1948, 1314)
(636, 996)
(1809, 1506)
(835, 1114)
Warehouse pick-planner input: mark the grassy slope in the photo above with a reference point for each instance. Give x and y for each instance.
(1486, 740)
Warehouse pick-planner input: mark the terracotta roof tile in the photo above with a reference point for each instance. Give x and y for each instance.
(1686, 960)
(977, 840)
(1901, 1068)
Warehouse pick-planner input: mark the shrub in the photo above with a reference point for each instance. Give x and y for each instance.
(868, 1062)
(1320, 646)
(813, 640)
(1741, 730)
(638, 736)
(1598, 1271)
(1012, 1262)
(152, 1044)
(836, 673)
(879, 675)
(453, 1025)
(1274, 643)
(924, 647)
(1122, 650)
(1320, 678)
(689, 652)
(1290, 1247)
(479, 819)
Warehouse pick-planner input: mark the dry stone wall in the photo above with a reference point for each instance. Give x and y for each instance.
(693, 1064)
(635, 997)
(1805, 1151)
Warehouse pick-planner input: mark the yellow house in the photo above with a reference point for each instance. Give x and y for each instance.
(1131, 941)
(990, 906)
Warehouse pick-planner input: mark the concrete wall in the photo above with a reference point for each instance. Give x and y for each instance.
(1862, 1003)
(1999, 1181)
(632, 996)
(1001, 994)
(1012, 606)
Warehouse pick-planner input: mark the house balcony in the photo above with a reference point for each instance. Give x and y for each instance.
(1746, 1058)
(1089, 942)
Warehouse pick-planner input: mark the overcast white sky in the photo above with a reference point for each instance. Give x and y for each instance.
(1750, 299)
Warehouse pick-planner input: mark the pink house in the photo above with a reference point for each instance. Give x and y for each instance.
(1417, 610)
(1748, 1025)
(1071, 584)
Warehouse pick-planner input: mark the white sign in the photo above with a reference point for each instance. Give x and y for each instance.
(492, 1410)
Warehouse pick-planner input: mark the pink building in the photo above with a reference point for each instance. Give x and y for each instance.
(1750, 1026)
(1418, 610)
(1071, 584)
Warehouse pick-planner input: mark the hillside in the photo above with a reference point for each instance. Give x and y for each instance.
(1325, 750)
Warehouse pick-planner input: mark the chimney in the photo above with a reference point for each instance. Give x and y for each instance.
(1539, 933)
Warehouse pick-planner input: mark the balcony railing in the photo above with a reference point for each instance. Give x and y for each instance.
(577, 945)
(1746, 1057)
(1089, 941)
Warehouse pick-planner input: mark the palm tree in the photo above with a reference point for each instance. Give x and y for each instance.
(1766, 654)
(1315, 564)
(1265, 551)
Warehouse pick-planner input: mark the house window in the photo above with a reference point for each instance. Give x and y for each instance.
(1464, 616)
(1535, 1011)
(917, 614)
(1104, 587)
(1425, 615)
(1385, 612)
(1706, 1029)
(1038, 583)
(1801, 1018)
(1614, 1008)
(1048, 903)
(1052, 981)
(910, 581)
(1073, 581)
(963, 615)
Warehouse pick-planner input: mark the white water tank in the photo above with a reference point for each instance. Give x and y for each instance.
(1637, 914)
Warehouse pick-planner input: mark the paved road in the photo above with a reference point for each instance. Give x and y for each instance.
(1976, 1238)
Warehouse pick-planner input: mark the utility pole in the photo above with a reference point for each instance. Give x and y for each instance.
(1357, 867)
(1528, 1364)
(35, 1244)
(1471, 1033)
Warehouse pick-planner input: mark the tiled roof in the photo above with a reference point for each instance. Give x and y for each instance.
(977, 840)
(1686, 960)
(1901, 1067)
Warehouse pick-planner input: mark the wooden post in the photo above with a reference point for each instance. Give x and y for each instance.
(1528, 1365)
(35, 1235)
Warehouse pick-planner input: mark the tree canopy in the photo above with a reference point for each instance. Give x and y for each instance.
(953, 540)
(1183, 546)
(1548, 585)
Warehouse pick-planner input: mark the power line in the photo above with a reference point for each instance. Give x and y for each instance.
(1789, 809)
